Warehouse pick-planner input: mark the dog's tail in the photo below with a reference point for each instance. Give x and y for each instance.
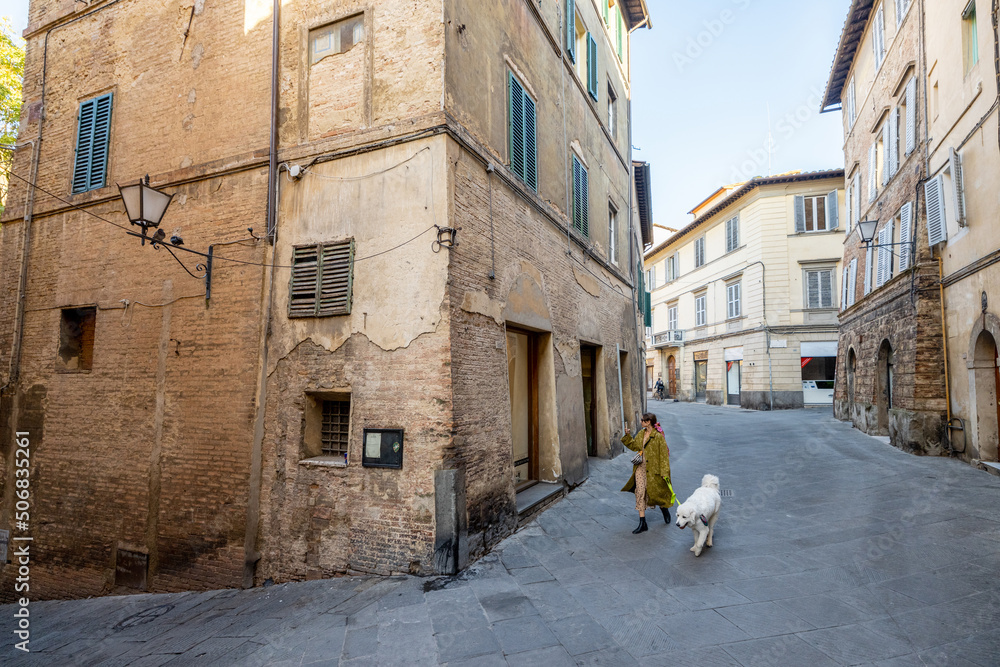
(711, 481)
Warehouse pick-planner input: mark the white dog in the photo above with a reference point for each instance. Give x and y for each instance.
(700, 511)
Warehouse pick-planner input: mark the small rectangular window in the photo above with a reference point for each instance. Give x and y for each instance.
(732, 234)
(581, 195)
(322, 279)
(327, 426)
(93, 136)
(733, 305)
(810, 214)
(76, 339)
(819, 288)
(523, 146)
(699, 252)
(970, 36)
(700, 310)
(334, 38)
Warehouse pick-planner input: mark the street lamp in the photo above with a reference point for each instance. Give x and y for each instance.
(866, 229)
(144, 205)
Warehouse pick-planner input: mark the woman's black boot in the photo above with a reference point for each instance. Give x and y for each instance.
(666, 514)
(642, 526)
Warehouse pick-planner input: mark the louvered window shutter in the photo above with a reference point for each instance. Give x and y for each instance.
(884, 256)
(905, 225)
(826, 289)
(850, 205)
(530, 144)
(958, 186)
(857, 197)
(90, 164)
(937, 228)
(571, 29)
(322, 280)
(621, 33)
(677, 265)
(516, 126)
(868, 270)
(911, 115)
(894, 142)
(843, 289)
(832, 210)
(852, 282)
(886, 139)
(889, 254)
(585, 198)
(800, 214)
(872, 172)
(878, 38)
(591, 66)
(812, 289)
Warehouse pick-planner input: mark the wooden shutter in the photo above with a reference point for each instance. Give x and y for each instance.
(878, 37)
(843, 289)
(813, 298)
(884, 271)
(677, 265)
(893, 142)
(516, 125)
(857, 197)
(958, 186)
(885, 149)
(571, 29)
(868, 270)
(591, 66)
(530, 144)
(800, 214)
(621, 33)
(872, 172)
(911, 115)
(937, 228)
(850, 206)
(580, 198)
(852, 282)
(585, 198)
(851, 102)
(905, 225)
(93, 135)
(833, 210)
(322, 280)
(826, 289)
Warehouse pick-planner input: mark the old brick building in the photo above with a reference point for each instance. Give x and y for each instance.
(890, 367)
(436, 308)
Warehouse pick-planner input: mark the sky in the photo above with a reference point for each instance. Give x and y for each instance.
(702, 82)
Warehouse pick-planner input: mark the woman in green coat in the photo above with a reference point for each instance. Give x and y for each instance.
(651, 479)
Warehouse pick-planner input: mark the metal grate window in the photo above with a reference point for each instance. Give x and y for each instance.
(335, 430)
(322, 277)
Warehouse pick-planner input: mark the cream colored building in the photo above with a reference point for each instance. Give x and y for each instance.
(745, 298)
(964, 166)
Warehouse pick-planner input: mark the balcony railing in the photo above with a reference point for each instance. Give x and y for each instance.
(668, 338)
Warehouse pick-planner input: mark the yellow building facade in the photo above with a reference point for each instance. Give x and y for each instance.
(745, 298)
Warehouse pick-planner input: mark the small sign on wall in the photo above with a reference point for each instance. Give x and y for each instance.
(779, 343)
(383, 448)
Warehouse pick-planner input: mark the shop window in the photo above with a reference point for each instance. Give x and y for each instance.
(76, 339)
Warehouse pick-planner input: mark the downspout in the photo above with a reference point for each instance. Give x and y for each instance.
(996, 54)
(251, 554)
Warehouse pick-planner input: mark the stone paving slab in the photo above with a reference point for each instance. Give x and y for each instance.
(833, 548)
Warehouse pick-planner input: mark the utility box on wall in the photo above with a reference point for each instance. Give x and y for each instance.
(383, 448)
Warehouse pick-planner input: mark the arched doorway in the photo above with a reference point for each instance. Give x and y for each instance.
(852, 363)
(884, 385)
(671, 376)
(986, 379)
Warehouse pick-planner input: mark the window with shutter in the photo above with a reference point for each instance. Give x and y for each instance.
(878, 38)
(902, 7)
(911, 115)
(843, 290)
(621, 33)
(523, 147)
(937, 229)
(884, 255)
(850, 103)
(905, 237)
(885, 150)
(832, 210)
(700, 310)
(570, 23)
(819, 288)
(857, 197)
(591, 66)
(733, 306)
(581, 215)
(732, 234)
(93, 134)
(322, 279)
(699, 252)
(613, 234)
(868, 270)
(893, 142)
(850, 206)
(800, 214)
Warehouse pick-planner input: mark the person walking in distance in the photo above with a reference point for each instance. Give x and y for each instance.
(650, 479)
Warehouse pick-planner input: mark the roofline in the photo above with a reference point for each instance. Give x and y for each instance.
(636, 19)
(738, 193)
(707, 199)
(850, 37)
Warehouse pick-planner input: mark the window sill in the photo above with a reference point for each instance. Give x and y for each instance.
(74, 371)
(324, 462)
(835, 230)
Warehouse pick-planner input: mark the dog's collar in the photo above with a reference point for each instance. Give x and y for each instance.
(703, 519)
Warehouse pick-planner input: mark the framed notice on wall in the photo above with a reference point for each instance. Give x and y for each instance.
(383, 448)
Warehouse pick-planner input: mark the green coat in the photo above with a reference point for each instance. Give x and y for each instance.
(658, 488)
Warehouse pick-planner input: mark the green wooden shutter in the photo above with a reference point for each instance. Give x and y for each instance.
(585, 198)
(580, 217)
(575, 214)
(322, 280)
(516, 126)
(604, 11)
(90, 164)
(591, 66)
(571, 29)
(530, 146)
(621, 33)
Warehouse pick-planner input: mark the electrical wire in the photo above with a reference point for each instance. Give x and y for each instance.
(363, 177)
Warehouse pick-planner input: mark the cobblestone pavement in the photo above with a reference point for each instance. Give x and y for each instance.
(833, 548)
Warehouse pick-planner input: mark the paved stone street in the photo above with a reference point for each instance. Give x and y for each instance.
(832, 549)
